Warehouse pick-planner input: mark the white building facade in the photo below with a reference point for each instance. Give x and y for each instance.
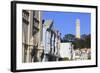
(51, 42)
(66, 50)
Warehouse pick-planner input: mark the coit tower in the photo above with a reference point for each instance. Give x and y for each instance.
(78, 28)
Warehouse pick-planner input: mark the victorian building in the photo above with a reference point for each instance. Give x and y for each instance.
(40, 40)
(51, 42)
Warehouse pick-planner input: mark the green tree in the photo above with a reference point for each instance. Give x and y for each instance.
(88, 41)
(68, 38)
(83, 42)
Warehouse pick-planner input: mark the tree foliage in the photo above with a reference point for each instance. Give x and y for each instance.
(68, 38)
(83, 42)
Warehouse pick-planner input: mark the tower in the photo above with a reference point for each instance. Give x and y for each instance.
(78, 28)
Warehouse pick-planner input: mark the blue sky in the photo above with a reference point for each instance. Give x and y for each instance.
(65, 22)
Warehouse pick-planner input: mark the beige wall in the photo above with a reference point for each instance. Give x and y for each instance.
(27, 34)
